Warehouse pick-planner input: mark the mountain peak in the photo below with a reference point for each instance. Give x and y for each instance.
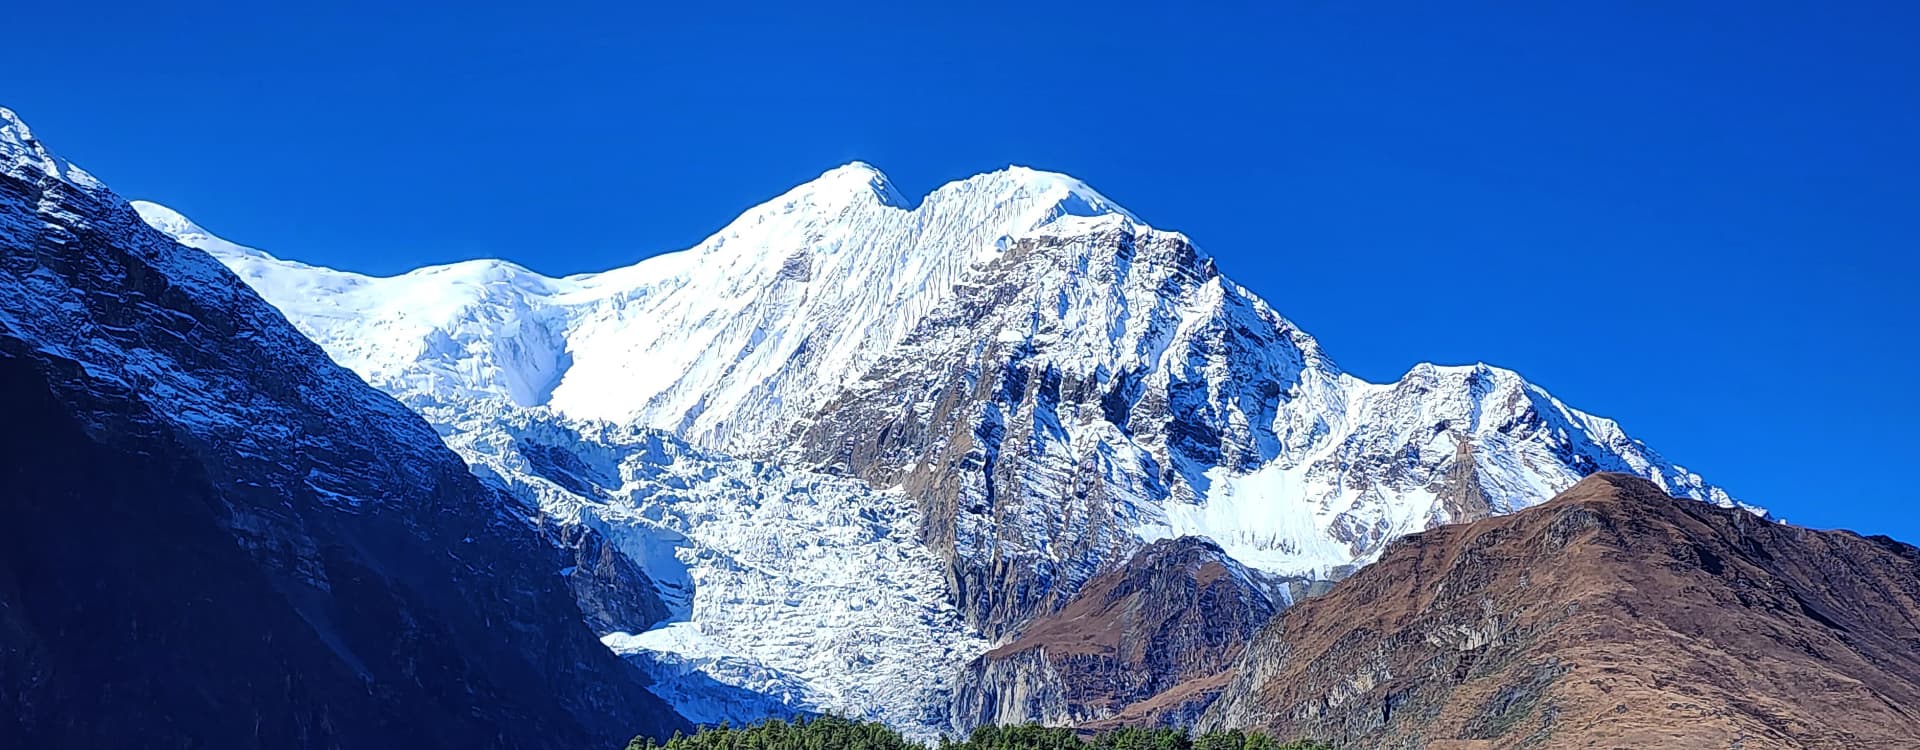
(855, 178)
(167, 220)
(184, 231)
(19, 151)
(1064, 194)
(12, 128)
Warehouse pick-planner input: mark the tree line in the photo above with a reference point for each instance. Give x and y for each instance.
(837, 733)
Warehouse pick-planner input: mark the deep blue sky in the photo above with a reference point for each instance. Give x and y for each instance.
(1702, 222)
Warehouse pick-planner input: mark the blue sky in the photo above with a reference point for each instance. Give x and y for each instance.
(1699, 219)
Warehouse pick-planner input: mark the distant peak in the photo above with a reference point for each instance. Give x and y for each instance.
(182, 229)
(1055, 194)
(1042, 178)
(1036, 180)
(858, 177)
(167, 220)
(859, 167)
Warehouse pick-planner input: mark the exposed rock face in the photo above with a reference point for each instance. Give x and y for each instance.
(1085, 377)
(1612, 616)
(1100, 384)
(215, 537)
(613, 592)
(1180, 609)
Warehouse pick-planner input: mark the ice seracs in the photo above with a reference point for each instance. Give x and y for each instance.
(788, 591)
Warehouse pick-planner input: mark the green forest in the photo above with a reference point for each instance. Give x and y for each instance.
(835, 733)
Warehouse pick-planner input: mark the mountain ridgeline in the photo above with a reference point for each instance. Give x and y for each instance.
(856, 440)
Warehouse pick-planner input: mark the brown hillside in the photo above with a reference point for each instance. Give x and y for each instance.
(1179, 609)
(1612, 616)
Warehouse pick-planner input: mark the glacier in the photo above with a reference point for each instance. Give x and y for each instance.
(856, 440)
(788, 591)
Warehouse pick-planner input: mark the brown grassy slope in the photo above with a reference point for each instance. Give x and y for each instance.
(1612, 616)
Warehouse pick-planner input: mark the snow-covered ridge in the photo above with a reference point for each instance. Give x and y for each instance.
(1033, 383)
(752, 325)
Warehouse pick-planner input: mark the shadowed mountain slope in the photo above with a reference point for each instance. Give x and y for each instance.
(214, 536)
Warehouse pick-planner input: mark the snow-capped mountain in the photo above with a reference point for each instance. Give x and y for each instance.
(1002, 390)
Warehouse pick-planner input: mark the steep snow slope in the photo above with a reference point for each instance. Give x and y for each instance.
(754, 326)
(1044, 382)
